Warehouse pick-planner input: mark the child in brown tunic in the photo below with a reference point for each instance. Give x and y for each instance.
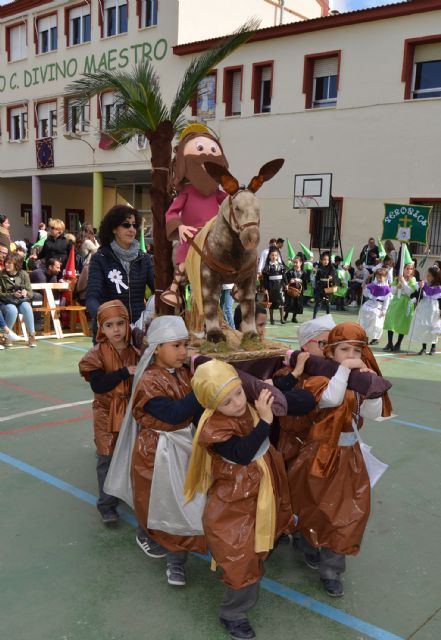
(248, 500)
(108, 368)
(329, 483)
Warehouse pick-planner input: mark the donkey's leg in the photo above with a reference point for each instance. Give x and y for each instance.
(247, 300)
(211, 288)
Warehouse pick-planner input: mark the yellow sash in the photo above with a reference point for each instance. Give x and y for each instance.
(193, 265)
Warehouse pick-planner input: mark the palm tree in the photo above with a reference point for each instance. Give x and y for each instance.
(143, 111)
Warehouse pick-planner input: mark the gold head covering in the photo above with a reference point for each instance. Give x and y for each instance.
(112, 309)
(211, 383)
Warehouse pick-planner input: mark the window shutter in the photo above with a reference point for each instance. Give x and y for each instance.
(266, 73)
(8, 123)
(67, 14)
(427, 52)
(324, 67)
(101, 17)
(235, 92)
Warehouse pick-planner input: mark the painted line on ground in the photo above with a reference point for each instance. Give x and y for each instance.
(67, 346)
(322, 609)
(46, 425)
(44, 409)
(29, 392)
(390, 357)
(415, 425)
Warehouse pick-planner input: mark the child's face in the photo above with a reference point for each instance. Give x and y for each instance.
(296, 264)
(234, 404)
(316, 345)
(380, 279)
(324, 260)
(274, 256)
(429, 276)
(115, 330)
(346, 350)
(171, 355)
(10, 267)
(408, 270)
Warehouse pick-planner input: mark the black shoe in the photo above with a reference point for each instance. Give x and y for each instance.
(285, 316)
(151, 548)
(282, 321)
(176, 575)
(388, 347)
(333, 588)
(397, 348)
(432, 350)
(294, 319)
(109, 517)
(312, 560)
(421, 352)
(238, 629)
(373, 342)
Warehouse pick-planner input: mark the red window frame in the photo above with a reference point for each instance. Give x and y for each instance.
(10, 107)
(257, 80)
(8, 36)
(36, 20)
(67, 11)
(227, 87)
(308, 72)
(37, 103)
(139, 12)
(101, 18)
(408, 56)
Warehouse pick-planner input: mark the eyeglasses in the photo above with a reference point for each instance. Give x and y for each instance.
(320, 343)
(127, 225)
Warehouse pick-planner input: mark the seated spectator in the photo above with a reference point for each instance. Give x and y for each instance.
(21, 249)
(16, 294)
(5, 236)
(86, 244)
(34, 262)
(361, 276)
(3, 253)
(49, 273)
(56, 245)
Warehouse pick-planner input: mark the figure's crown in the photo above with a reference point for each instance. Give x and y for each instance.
(194, 127)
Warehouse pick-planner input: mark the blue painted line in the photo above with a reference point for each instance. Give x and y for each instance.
(65, 346)
(276, 588)
(415, 425)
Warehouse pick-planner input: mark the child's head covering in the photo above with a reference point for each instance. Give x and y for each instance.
(312, 328)
(109, 310)
(118, 481)
(212, 381)
(355, 334)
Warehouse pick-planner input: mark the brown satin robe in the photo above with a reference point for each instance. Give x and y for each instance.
(230, 512)
(157, 382)
(108, 408)
(329, 484)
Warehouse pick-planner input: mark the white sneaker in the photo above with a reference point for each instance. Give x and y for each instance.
(353, 304)
(11, 336)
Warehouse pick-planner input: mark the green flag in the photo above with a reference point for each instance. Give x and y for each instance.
(381, 249)
(307, 252)
(348, 258)
(39, 243)
(406, 222)
(291, 252)
(407, 256)
(142, 239)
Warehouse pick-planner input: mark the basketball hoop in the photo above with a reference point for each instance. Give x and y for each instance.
(312, 191)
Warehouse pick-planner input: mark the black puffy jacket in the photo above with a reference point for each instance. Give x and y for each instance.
(102, 288)
(56, 248)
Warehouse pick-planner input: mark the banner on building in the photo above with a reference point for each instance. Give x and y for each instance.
(206, 99)
(45, 153)
(406, 222)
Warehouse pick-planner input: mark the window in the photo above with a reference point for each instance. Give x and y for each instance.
(17, 42)
(323, 225)
(76, 116)
(114, 17)
(426, 81)
(148, 13)
(321, 76)
(421, 72)
(108, 109)
(46, 31)
(434, 239)
(18, 123)
(46, 119)
(262, 86)
(26, 214)
(232, 90)
(78, 25)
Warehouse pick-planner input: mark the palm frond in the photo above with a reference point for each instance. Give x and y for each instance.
(199, 67)
(138, 90)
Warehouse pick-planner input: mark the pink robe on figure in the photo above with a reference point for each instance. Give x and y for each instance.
(191, 208)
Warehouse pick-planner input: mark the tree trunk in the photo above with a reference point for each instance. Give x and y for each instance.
(161, 149)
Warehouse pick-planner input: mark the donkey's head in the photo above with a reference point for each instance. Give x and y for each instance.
(241, 209)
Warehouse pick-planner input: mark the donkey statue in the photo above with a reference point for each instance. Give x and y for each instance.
(227, 251)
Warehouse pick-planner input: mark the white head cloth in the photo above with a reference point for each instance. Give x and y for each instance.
(118, 481)
(312, 328)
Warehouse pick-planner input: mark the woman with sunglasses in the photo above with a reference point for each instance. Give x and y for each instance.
(119, 270)
(56, 244)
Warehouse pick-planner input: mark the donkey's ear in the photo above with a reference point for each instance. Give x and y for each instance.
(222, 176)
(266, 172)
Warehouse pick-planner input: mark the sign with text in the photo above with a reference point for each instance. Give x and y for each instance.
(406, 222)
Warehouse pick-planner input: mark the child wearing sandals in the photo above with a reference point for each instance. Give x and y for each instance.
(248, 501)
(108, 368)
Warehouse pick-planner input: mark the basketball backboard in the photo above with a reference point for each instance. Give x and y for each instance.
(312, 190)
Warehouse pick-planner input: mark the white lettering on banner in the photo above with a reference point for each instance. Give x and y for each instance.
(415, 213)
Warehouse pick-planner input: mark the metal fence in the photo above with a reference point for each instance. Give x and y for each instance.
(434, 232)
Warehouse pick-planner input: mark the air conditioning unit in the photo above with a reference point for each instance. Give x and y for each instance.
(141, 141)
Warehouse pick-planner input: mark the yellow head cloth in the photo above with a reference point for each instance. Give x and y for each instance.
(212, 381)
(194, 127)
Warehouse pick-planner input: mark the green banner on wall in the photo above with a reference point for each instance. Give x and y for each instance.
(406, 222)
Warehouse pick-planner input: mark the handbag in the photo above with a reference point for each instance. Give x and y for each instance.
(13, 300)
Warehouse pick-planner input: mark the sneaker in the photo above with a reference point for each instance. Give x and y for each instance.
(109, 517)
(312, 559)
(238, 629)
(32, 342)
(7, 343)
(353, 304)
(12, 336)
(333, 588)
(151, 548)
(176, 575)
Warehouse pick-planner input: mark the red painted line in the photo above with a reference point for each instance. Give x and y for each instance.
(46, 425)
(29, 392)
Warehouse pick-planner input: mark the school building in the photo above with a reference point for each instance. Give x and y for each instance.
(356, 95)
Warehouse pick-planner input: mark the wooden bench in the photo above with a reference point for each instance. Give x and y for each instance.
(52, 310)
